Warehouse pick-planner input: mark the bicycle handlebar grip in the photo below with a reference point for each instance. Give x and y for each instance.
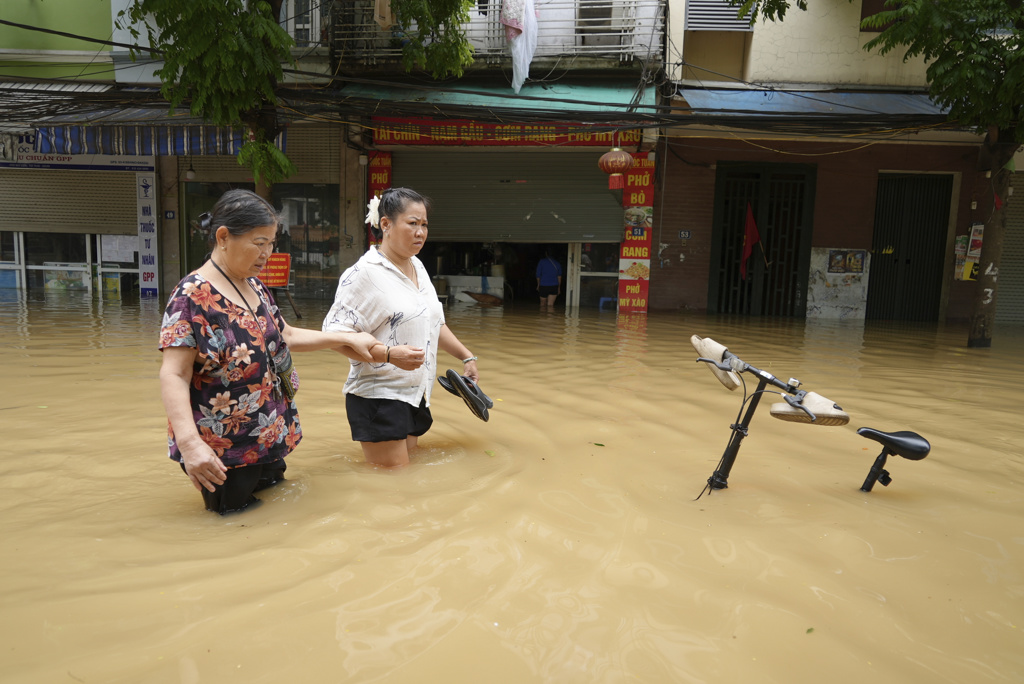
(710, 349)
(822, 411)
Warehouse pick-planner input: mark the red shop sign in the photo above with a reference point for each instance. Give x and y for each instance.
(275, 272)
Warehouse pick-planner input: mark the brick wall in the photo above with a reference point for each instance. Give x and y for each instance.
(844, 203)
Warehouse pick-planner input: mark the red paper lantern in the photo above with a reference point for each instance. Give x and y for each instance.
(616, 162)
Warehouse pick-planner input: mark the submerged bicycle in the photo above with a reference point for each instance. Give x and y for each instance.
(799, 406)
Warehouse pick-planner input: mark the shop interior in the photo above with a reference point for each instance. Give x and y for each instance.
(507, 270)
(70, 262)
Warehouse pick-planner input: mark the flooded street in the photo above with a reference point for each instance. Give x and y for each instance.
(559, 542)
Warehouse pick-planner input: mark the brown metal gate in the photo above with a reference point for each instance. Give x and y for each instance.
(782, 198)
(908, 246)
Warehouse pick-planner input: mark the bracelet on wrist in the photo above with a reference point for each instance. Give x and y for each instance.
(471, 358)
(387, 355)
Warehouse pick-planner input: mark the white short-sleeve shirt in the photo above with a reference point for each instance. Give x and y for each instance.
(374, 296)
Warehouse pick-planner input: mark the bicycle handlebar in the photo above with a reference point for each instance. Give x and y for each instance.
(801, 406)
(733, 363)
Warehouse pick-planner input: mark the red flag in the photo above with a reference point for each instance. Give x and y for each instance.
(750, 238)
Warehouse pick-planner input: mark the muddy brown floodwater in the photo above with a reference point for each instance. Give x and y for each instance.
(559, 542)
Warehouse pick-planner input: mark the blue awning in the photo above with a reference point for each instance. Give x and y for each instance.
(726, 103)
(167, 140)
(142, 132)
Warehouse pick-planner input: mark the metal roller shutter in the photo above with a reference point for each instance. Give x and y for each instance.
(65, 201)
(1010, 300)
(512, 196)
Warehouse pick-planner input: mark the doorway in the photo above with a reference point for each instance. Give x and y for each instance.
(908, 245)
(590, 276)
(781, 198)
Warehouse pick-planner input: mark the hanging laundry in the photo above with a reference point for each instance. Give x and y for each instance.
(520, 20)
(383, 15)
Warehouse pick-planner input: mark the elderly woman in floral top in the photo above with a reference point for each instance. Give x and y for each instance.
(225, 379)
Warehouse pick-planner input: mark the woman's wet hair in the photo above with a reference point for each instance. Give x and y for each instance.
(239, 211)
(393, 202)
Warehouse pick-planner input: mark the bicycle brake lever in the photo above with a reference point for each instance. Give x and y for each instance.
(718, 365)
(796, 401)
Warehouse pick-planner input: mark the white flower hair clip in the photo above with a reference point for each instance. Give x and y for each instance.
(373, 213)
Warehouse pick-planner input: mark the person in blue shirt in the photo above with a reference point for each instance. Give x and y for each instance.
(549, 280)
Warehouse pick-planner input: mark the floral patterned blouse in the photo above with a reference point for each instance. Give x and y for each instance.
(236, 405)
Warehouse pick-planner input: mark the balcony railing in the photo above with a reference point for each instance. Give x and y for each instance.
(619, 30)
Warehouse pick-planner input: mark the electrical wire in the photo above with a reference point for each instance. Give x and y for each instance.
(331, 100)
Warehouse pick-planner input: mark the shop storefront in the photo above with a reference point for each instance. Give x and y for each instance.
(505, 197)
(78, 223)
(321, 207)
(310, 230)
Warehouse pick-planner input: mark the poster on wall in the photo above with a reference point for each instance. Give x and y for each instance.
(960, 255)
(145, 186)
(846, 260)
(119, 248)
(970, 268)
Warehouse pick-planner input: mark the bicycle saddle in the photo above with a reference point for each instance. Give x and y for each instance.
(909, 445)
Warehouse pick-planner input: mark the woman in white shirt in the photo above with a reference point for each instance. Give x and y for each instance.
(388, 294)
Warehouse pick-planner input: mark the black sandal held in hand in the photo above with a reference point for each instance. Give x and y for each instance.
(469, 391)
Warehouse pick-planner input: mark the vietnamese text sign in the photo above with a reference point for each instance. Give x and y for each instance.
(411, 131)
(24, 156)
(276, 271)
(145, 186)
(379, 181)
(635, 250)
(635, 260)
(639, 190)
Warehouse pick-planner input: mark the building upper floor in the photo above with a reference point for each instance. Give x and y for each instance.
(570, 34)
(820, 47)
(52, 41)
(333, 36)
(696, 42)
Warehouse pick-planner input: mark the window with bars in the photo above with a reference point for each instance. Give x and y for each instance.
(715, 15)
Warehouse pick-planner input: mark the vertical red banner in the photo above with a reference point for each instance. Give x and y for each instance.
(635, 250)
(379, 169)
(639, 190)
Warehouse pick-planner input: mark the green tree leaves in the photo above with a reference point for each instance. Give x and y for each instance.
(223, 60)
(974, 52)
(221, 57)
(436, 40)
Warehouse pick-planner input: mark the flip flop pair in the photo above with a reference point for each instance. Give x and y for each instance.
(464, 388)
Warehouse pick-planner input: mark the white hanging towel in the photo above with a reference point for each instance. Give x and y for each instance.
(520, 20)
(383, 15)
